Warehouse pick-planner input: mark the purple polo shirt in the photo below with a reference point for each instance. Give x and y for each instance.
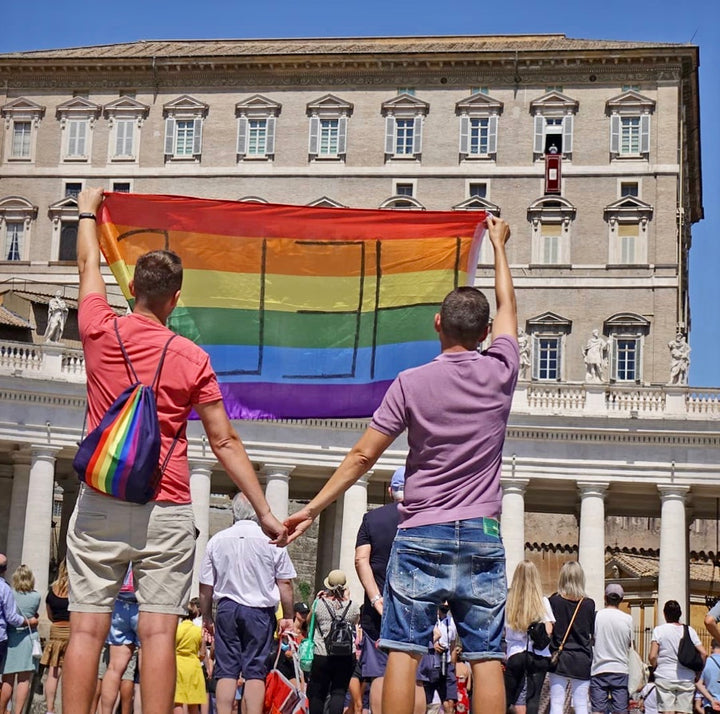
(455, 409)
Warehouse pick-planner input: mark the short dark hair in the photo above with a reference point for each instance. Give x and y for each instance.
(158, 276)
(672, 611)
(464, 315)
(613, 599)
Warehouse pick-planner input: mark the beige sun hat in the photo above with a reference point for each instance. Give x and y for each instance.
(335, 579)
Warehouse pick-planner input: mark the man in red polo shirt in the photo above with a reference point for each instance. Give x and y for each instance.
(105, 534)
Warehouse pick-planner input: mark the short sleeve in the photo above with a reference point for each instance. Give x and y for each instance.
(363, 536)
(694, 636)
(94, 314)
(206, 389)
(505, 350)
(207, 572)
(390, 417)
(655, 635)
(284, 569)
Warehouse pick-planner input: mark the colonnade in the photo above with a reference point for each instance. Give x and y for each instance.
(31, 514)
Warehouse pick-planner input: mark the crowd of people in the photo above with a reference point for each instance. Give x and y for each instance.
(437, 625)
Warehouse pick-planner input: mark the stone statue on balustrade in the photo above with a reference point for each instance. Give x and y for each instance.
(524, 346)
(595, 355)
(679, 359)
(57, 316)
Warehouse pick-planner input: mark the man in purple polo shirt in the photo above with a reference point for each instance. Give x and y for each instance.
(448, 545)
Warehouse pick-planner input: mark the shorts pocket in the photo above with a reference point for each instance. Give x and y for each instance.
(487, 579)
(416, 572)
(91, 523)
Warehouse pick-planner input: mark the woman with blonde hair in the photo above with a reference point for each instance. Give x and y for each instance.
(529, 623)
(571, 639)
(54, 653)
(20, 664)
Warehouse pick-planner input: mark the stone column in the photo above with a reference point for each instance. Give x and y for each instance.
(18, 503)
(6, 481)
(200, 481)
(354, 508)
(513, 522)
(277, 488)
(672, 582)
(38, 514)
(591, 547)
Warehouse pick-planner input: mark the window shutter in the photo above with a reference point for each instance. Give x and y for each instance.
(169, 136)
(269, 136)
(464, 135)
(390, 135)
(535, 357)
(559, 343)
(645, 134)
(638, 359)
(539, 134)
(614, 366)
(492, 134)
(342, 135)
(72, 138)
(568, 134)
(242, 136)
(81, 136)
(417, 135)
(197, 137)
(314, 140)
(615, 134)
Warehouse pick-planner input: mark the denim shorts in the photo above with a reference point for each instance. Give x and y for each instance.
(123, 625)
(462, 562)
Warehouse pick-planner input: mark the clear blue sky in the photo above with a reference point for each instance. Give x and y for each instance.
(49, 24)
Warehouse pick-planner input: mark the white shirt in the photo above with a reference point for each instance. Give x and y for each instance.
(242, 565)
(668, 637)
(613, 639)
(517, 641)
(649, 696)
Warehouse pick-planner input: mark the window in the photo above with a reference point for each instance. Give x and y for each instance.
(403, 126)
(256, 128)
(328, 127)
(547, 332)
(629, 188)
(551, 219)
(478, 126)
(478, 189)
(406, 90)
(547, 358)
(553, 117)
(125, 118)
(73, 188)
(404, 189)
(183, 128)
(630, 125)
(77, 121)
(13, 240)
(121, 186)
(16, 215)
(626, 332)
(479, 90)
(21, 139)
(627, 220)
(68, 241)
(22, 117)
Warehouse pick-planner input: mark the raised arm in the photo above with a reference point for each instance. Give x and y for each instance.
(505, 320)
(88, 248)
(359, 460)
(228, 448)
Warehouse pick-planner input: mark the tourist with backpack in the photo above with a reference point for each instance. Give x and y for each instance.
(138, 509)
(335, 618)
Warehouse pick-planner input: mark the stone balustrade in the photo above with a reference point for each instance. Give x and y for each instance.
(55, 362)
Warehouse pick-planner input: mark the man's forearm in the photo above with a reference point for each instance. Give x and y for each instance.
(88, 247)
(286, 598)
(206, 593)
(367, 579)
(504, 288)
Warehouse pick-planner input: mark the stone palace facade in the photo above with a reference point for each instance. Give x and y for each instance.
(590, 150)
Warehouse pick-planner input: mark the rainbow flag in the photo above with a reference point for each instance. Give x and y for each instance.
(305, 312)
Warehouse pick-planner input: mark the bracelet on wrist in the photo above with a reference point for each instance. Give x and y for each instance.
(375, 598)
(91, 216)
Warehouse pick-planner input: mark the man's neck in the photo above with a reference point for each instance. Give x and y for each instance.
(455, 348)
(149, 314)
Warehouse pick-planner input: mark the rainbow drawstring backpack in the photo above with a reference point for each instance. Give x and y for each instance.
(121, 456)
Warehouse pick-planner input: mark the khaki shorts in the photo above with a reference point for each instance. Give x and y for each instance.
(674, 695)
(105, 534)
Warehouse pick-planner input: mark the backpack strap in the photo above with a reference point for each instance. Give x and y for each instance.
(156, 378)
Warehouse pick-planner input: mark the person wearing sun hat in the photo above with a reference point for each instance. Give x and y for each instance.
(330, 673)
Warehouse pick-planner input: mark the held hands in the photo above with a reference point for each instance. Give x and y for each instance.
(208, 630)
(274, 530)
(298, 523)
(498, 230)
(89, 200)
